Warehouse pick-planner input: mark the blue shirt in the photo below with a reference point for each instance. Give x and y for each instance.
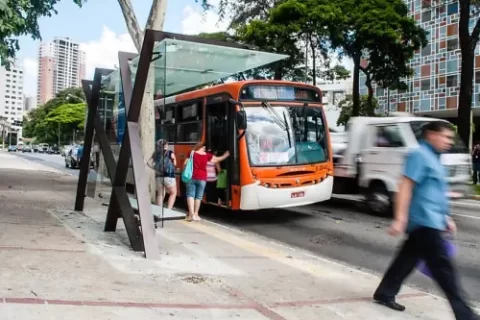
(80, 152)
(429, 206)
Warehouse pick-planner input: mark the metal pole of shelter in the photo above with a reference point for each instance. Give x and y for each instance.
(87, 146)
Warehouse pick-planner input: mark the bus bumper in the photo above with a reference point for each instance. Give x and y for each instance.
(255, 196)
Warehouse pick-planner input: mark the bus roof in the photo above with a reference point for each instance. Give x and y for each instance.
(233, 88)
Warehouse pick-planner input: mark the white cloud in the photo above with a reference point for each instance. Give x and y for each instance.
(100, 53)
(30, 70)
(196, 21)
(103, 53)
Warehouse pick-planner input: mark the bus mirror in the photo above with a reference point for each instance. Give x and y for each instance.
(241, 120)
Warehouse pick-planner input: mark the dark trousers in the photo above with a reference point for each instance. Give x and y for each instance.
(476, 172)
(427, 244)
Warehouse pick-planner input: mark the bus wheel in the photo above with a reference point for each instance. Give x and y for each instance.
(379, 200)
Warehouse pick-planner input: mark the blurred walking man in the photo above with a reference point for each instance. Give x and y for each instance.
(422, 211)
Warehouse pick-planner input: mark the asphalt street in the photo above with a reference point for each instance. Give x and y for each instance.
(343, 231)
(55, 161)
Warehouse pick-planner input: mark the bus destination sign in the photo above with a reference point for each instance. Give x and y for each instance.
(279, 93)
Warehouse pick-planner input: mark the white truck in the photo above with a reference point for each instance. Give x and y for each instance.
(369, 161)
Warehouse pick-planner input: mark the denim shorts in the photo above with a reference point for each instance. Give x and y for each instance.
(195, 189)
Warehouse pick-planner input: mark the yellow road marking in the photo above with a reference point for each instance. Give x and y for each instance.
(269, 252)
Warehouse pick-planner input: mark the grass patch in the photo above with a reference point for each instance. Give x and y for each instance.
(476, 189)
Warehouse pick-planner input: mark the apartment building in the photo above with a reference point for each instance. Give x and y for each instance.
(434, 88)
(11, 95)
(61, 65)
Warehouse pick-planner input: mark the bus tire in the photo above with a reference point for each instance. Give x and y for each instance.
(379, 200)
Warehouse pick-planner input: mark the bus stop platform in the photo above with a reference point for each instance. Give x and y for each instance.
(59, 264)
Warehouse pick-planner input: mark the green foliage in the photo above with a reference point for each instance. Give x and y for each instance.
(20, 18)
(59, 116)
(366, 109)
(275, 38)
(380, 31)
(308, 20)
(338, 72)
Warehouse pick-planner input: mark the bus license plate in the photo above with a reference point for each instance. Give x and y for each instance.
(298, 194)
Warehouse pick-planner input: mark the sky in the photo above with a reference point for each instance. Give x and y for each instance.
(101, 31)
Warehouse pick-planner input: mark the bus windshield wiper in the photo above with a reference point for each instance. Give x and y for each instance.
(275, 116)
(282, 123)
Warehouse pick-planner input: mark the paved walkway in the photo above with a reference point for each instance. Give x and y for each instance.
(59, 264)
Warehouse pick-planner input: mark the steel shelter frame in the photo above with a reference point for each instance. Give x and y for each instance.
(141, 239)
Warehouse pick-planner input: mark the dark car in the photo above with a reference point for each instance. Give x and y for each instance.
(53, 150)
(26, 149)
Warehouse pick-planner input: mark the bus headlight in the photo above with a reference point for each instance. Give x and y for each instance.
(267, 185)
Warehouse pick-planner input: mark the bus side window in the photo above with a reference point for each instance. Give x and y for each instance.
(166, 130)
(189, 122)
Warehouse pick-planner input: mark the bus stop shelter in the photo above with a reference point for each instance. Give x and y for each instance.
(179, 63)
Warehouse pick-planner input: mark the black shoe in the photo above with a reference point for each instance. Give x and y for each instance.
(390, 304)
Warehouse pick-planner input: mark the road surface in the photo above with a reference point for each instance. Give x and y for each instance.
(342, 231)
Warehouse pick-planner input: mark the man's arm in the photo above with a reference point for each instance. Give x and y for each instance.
(413, 173)
(402, 205)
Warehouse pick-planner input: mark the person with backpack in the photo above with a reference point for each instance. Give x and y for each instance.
(163, 161)
(195, 177)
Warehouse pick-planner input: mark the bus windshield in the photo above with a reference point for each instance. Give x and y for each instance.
(458, 145)
(279, 134)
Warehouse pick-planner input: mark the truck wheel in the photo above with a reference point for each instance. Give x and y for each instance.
(379, 200)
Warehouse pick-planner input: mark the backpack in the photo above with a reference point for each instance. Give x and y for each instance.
(166, 167)
(188, 171)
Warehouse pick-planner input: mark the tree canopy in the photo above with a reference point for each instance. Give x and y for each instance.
(367, 109)
(20, 18)
(61, 117)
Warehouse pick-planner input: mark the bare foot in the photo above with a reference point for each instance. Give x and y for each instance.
(196, 218)
(188, 218)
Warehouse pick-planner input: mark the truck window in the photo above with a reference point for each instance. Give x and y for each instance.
(388, 136)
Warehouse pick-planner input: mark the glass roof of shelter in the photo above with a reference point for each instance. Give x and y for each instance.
(186, 64)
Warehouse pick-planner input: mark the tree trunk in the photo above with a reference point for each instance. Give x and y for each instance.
(155, 21)
(356, 86)
(466, 75)
(368, 84)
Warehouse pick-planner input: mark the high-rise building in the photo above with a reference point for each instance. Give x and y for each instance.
(434, 88)
(28, 104)
(11, 95)
(61, 65)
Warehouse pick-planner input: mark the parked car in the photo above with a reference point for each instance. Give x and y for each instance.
(42, 148)
(26, 149)
(35, 148)
(73, 161)
(12, 148)
(53, 150)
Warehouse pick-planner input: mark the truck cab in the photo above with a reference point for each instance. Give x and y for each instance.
(370, 162)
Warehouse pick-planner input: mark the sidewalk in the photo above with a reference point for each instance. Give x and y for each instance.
(59, 264)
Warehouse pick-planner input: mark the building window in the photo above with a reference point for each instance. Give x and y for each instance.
(425, 104)
(452, 66)
(452, 81)
(427, 50)
(380, 92)
(452, 8)
(477, 77)
(425, 84)
(426, 15)
(452, 44)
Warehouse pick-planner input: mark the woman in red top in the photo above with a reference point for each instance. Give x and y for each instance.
(196, 187)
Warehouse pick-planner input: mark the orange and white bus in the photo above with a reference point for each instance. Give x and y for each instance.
(276, 132)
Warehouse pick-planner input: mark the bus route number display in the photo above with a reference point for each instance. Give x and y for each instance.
(279, 93)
